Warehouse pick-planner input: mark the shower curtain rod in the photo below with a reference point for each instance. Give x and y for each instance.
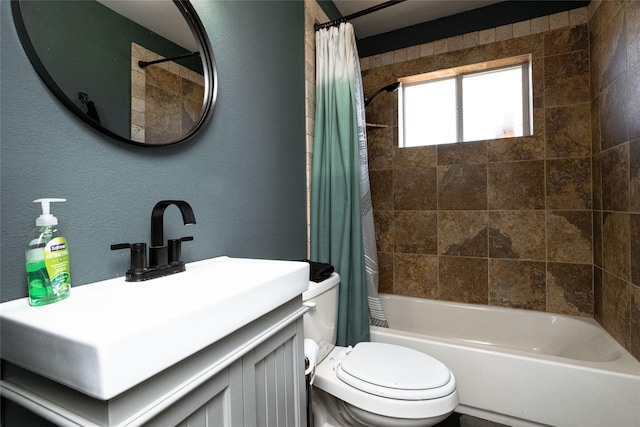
(357, 14)
(143, 64)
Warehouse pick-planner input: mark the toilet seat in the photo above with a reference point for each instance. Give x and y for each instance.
(326, 380)
(395, 372)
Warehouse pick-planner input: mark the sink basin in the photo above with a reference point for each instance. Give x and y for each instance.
(111, 335)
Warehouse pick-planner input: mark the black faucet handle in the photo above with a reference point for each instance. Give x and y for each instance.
(138, 254)
(120, 246)
(175, 249)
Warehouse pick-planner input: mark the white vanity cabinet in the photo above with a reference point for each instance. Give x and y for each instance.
(220, 344)
(252, 377)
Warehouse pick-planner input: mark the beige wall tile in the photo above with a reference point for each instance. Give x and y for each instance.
(426, 49)
(413, 52)
(558, 20)
(487, 36)
(579, 16)
(470, 39)
(504, 32)
(540, 25)
(521, 29)
(455, 43)
(440, 46)
(399, 55)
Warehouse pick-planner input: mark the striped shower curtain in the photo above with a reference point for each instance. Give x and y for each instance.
(342, 228)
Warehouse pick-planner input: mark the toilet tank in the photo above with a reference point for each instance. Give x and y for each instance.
(320, 320)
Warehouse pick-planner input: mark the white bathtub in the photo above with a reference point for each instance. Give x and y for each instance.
(520, 367)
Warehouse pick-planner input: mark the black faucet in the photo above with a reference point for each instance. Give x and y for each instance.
(163, 260)
(158, 252)
(157, 218)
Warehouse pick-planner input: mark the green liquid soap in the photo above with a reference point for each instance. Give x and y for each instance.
(40, 292)
(47, 260)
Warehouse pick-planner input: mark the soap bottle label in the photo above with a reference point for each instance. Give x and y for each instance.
(56, 260)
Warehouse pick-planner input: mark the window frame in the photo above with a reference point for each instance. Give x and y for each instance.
(458, 73)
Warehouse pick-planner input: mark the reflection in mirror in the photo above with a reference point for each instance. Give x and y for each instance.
(89, 54)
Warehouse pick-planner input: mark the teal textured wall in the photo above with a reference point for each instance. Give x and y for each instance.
(244, 175)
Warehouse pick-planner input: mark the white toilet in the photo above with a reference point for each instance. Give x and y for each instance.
(371, 384)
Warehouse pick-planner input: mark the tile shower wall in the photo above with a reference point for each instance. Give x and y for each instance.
(166, 98)
(548, 222)
(615, 112)
(504, 222)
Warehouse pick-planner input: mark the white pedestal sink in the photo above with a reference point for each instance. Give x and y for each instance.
(112, 335)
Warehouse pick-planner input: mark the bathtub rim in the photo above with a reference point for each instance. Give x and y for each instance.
(624, 364)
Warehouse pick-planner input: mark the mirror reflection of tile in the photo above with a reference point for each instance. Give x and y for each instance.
(166, 98)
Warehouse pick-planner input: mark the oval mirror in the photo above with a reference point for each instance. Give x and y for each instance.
(139, 71)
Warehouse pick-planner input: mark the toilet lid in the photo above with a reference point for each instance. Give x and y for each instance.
(396, 372)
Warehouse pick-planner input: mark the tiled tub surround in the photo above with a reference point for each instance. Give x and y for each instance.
(481, 221)
(615, 120)
(166, 98)
(511, 222)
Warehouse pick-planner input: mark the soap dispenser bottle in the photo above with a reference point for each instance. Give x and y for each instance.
(47, 259)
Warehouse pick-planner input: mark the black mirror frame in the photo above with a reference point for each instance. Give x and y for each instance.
(206, 54)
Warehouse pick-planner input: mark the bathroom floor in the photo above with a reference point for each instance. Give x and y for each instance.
(461, 420)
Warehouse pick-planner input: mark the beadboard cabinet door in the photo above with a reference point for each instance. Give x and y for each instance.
(274, 389)
(214, 404)
(264, 389)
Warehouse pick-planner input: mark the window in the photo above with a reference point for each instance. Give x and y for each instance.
(471, 103)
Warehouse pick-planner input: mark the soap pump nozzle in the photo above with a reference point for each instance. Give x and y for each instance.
(46, 218)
